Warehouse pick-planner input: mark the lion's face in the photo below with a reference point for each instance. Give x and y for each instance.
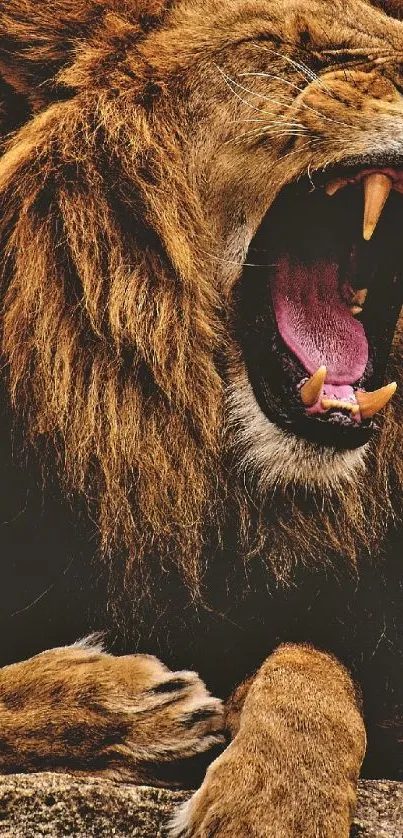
(201, 231)
(296, 145)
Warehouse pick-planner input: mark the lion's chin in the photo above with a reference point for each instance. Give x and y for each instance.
(273, 458)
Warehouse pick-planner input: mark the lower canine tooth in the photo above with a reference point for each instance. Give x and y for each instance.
(372, 403)
(312, 389)
(377, 188)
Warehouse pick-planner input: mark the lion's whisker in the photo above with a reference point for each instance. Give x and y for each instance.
(310, 175)
(273, 123)
(262, 96)
(262, 133)
(279, 122)
(231, 83)
(303, 68)
(301, 90)
(241, 264)
(283, 101)
(308, 74)
(312, 141)
(268, 130)
(283, 81)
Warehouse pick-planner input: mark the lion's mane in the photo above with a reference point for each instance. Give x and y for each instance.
(113, 333)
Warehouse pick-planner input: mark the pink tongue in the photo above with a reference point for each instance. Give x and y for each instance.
(315, 323)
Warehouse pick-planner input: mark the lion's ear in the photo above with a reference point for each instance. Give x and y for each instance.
(109, 332)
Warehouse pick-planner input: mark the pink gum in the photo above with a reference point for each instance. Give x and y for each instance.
(341, 392)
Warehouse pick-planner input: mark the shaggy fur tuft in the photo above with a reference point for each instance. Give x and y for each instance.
(109, 336)
(116, 319)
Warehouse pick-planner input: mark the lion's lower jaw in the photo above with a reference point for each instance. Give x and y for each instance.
(273, 458)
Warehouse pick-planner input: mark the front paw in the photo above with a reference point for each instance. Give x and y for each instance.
(243, 795)
(80, 709)
(224, 806)
(178, 710)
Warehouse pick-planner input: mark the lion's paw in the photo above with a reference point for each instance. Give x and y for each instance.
(129, 717)
(242, 796)
(218, 808)
(201, 817)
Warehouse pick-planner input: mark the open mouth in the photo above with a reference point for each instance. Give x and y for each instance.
(319, 299)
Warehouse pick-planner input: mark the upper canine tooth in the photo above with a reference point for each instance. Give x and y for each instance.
(312, 389)
(334, 185)
(371, 403)
(376, 189)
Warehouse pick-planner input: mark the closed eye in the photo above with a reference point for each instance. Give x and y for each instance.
(343, 56)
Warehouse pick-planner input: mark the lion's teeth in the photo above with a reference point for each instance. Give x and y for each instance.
(368, 404)
(377, 187)
(334, 185)
(359, 297)
(357, 300)
(328, 404)
(372, 403)
(312, 389)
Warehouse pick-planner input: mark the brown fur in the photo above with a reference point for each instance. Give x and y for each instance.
(115, 307)
(82, 709)
(132, 184)
(270, 780)
(130, 719)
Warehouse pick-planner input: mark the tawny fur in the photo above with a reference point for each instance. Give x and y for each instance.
(293, 765)
(132, 184)
(120, 243)
(80, 708)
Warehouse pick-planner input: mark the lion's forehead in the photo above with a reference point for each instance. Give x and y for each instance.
(306, 23)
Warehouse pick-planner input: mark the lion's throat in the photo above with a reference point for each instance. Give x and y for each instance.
(314, 321)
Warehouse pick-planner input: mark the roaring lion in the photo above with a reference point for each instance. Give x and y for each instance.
(201, 444)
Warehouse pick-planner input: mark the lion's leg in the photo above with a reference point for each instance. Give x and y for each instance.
(80, 709)
(293, 765)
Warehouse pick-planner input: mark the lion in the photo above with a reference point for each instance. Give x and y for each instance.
(202, 415)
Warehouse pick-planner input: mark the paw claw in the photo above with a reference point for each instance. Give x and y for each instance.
(153, 717)
(171, 685)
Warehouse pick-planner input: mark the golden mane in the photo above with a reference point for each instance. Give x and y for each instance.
(113, 332)
(109, 336)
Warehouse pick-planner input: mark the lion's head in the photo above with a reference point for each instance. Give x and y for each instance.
(187, 247)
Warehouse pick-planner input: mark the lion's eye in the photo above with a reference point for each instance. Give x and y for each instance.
(343, 56)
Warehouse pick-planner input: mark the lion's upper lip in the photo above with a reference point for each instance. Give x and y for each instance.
(347, 175)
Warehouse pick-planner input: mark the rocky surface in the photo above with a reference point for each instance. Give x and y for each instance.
(36, 805)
